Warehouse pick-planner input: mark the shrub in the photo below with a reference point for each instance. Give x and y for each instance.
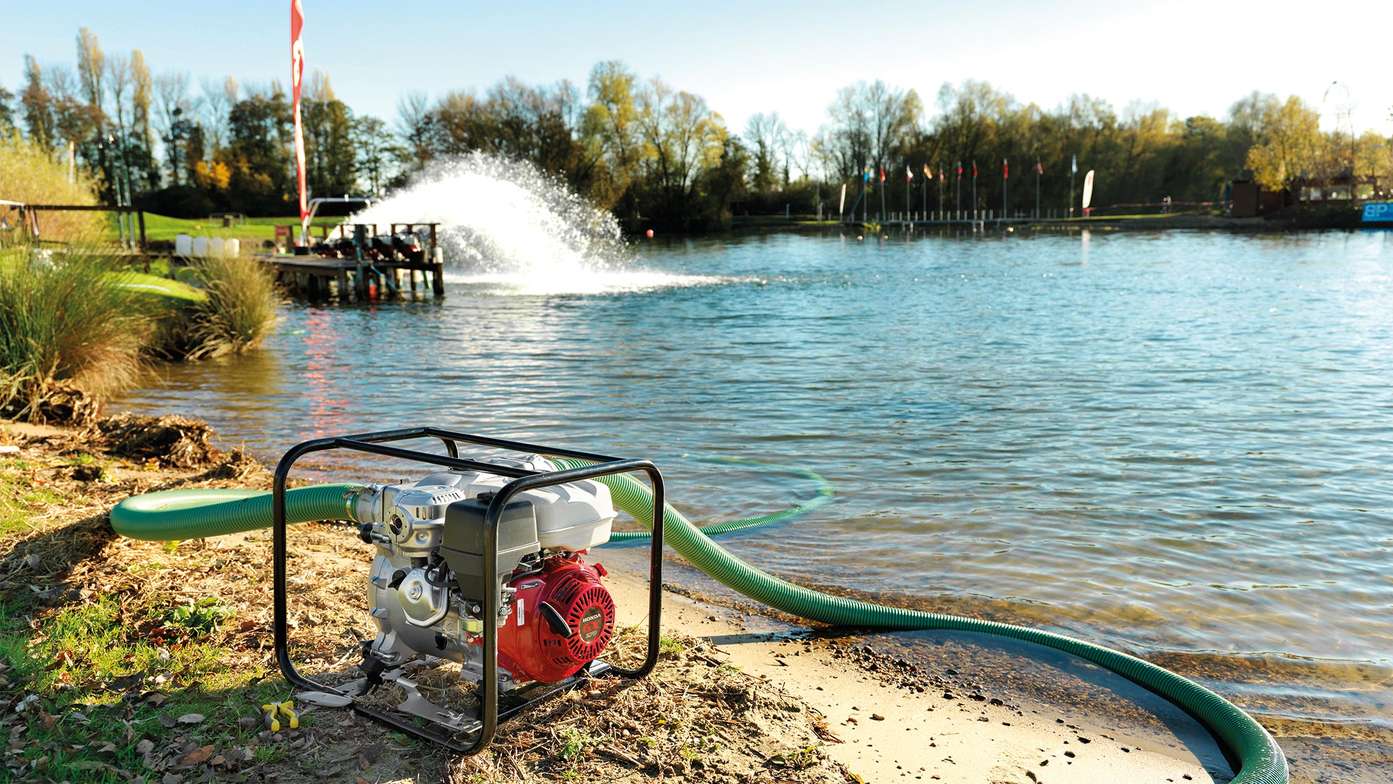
(240, 309)
(66, 321)
(29, 173)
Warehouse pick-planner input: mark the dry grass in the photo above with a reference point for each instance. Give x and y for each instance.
(31, 174)
(66, 322)
(237, 315)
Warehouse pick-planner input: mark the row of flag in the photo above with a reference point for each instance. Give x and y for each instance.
(1038, 169)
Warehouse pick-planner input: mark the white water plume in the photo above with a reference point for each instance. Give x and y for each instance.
(509, 228)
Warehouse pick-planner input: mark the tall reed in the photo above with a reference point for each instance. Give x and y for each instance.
(66, 319)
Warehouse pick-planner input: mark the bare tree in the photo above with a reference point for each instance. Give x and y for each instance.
(215, 107)
(766, 133)
(91, 68)
(118, 74)
(173, 114)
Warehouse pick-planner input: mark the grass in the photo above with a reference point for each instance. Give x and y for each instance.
(238, 311)
(71, 321)
(107, 679)
(252, 232)
(81, 321)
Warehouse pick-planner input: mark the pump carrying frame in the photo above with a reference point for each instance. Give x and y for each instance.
(522, 480)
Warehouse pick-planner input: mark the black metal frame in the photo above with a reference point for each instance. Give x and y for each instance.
(522, 480)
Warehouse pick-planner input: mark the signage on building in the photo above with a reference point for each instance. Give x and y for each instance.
(1378, 212)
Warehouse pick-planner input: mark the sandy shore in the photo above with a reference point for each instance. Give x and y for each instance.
(951, 719)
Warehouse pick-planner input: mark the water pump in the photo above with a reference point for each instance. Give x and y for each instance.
(485, 564)
(555, 615)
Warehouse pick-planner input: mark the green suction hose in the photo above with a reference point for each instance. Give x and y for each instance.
(825, 492)
(1260, 760)
(199, 512)
(196, 513)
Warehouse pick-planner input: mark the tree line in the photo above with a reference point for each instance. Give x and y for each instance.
(656, 154)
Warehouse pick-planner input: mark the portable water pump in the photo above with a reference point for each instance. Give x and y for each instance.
(484, 564)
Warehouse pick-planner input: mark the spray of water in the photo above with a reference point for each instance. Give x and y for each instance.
(508, 228)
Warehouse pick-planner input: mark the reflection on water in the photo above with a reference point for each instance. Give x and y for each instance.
(1173, 442)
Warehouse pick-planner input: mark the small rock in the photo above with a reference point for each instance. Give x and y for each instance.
(877, 717)
(191, 718)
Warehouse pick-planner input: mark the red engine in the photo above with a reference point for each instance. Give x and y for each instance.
(562, 619)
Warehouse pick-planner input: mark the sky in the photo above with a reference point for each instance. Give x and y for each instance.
(748, 57)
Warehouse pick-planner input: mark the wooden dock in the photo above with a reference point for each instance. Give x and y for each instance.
(357, 268)
(316, 277)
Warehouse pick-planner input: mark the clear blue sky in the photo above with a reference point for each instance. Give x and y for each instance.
(751, 56)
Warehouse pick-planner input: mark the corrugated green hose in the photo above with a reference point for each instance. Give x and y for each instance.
(1258, 758)
(198, 512)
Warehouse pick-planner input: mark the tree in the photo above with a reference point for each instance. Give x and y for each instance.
(91, 71)
(328, 125)
(118, 74)
(414, 126)
(765, 134)
(37, 105)
(377, 148)
(611, 122)
(218, 97)
(142, 140)
(1291, 145)
(7, 112)
(258, 152)
(173, 112)
(1373, 157)
(681, 137)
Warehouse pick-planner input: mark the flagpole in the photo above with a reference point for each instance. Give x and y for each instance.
(908, 186)
(1037, 190)
(882, 194)
(1073, 169)
(974, 190)
(1005, 178)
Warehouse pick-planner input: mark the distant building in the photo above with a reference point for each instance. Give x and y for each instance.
(1249, 200)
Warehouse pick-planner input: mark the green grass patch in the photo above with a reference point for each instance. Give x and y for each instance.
(19, 497)
(94, 669)
(252, 231)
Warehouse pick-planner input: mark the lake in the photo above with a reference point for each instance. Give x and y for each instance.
(1177, 443)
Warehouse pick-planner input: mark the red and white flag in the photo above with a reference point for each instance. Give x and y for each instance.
(1039, 169)
(928, 173)
(297, 73)
(1005, 170)
(908, 175)
(882, 174)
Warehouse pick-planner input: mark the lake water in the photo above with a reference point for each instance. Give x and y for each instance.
(1178, 443)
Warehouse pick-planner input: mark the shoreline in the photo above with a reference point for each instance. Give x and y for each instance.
(879, 715)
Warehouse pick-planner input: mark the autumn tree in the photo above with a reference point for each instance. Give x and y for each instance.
(1289, 146)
